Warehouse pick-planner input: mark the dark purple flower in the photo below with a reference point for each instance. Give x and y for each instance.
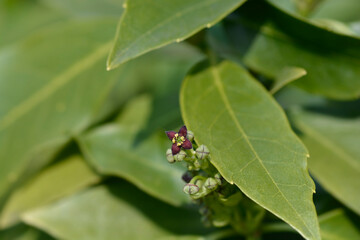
(179, 140)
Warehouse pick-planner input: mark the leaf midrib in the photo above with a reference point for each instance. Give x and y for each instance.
(219, 86)
(38, 97)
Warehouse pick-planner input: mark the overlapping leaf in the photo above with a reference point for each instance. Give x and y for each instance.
(61, 179)
(335, 225)
(251, 142)
(150, 24)
(118, 211)
(333, 143)
(286, 76)
(112, 149)
(276, 40)
(42, 82)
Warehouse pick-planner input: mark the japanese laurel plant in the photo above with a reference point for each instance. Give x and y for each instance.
(180, 119)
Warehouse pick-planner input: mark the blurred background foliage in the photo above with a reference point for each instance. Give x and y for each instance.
(82, 149)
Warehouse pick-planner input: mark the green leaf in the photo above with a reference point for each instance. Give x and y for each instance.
(334, 161)
(344, 10)
(164, 22)
(286, 76)
(335, 225)
(56, 181)
(280, 40)
(118, 211)
(93, 8)
(42, 87)
(14, 19)
(251, 142)
(335, 77)
(113, 150)
(23, 232)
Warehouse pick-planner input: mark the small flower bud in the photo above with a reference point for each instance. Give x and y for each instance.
(211, 184)
(202, 152)
(190, 135)
(180, 156)
(191, 189)
(218, 178)
(169, 156)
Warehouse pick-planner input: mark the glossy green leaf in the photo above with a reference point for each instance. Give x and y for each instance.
(334, 160)
(56, 181)
(150, 24)
(113, 150)
(251, 142)
(335, 225)
(118, 211)
(93, 8)
(286, 76)
(42, 82)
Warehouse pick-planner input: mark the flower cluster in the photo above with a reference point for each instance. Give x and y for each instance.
(204, 183)
(221, 203)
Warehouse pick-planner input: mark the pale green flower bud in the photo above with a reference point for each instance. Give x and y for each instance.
(211, 184)
(218, 178)
(169, 156)
(180, 156)
(202, 152)
(190, 135)
(191, 189)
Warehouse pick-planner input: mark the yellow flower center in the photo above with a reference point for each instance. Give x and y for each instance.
(178, 140)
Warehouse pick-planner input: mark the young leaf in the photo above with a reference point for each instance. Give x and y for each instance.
(286, 76)
(150, 24)
(116, 211)
(334, 160)
(54, 182)
(251, 142)
(112, 150)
